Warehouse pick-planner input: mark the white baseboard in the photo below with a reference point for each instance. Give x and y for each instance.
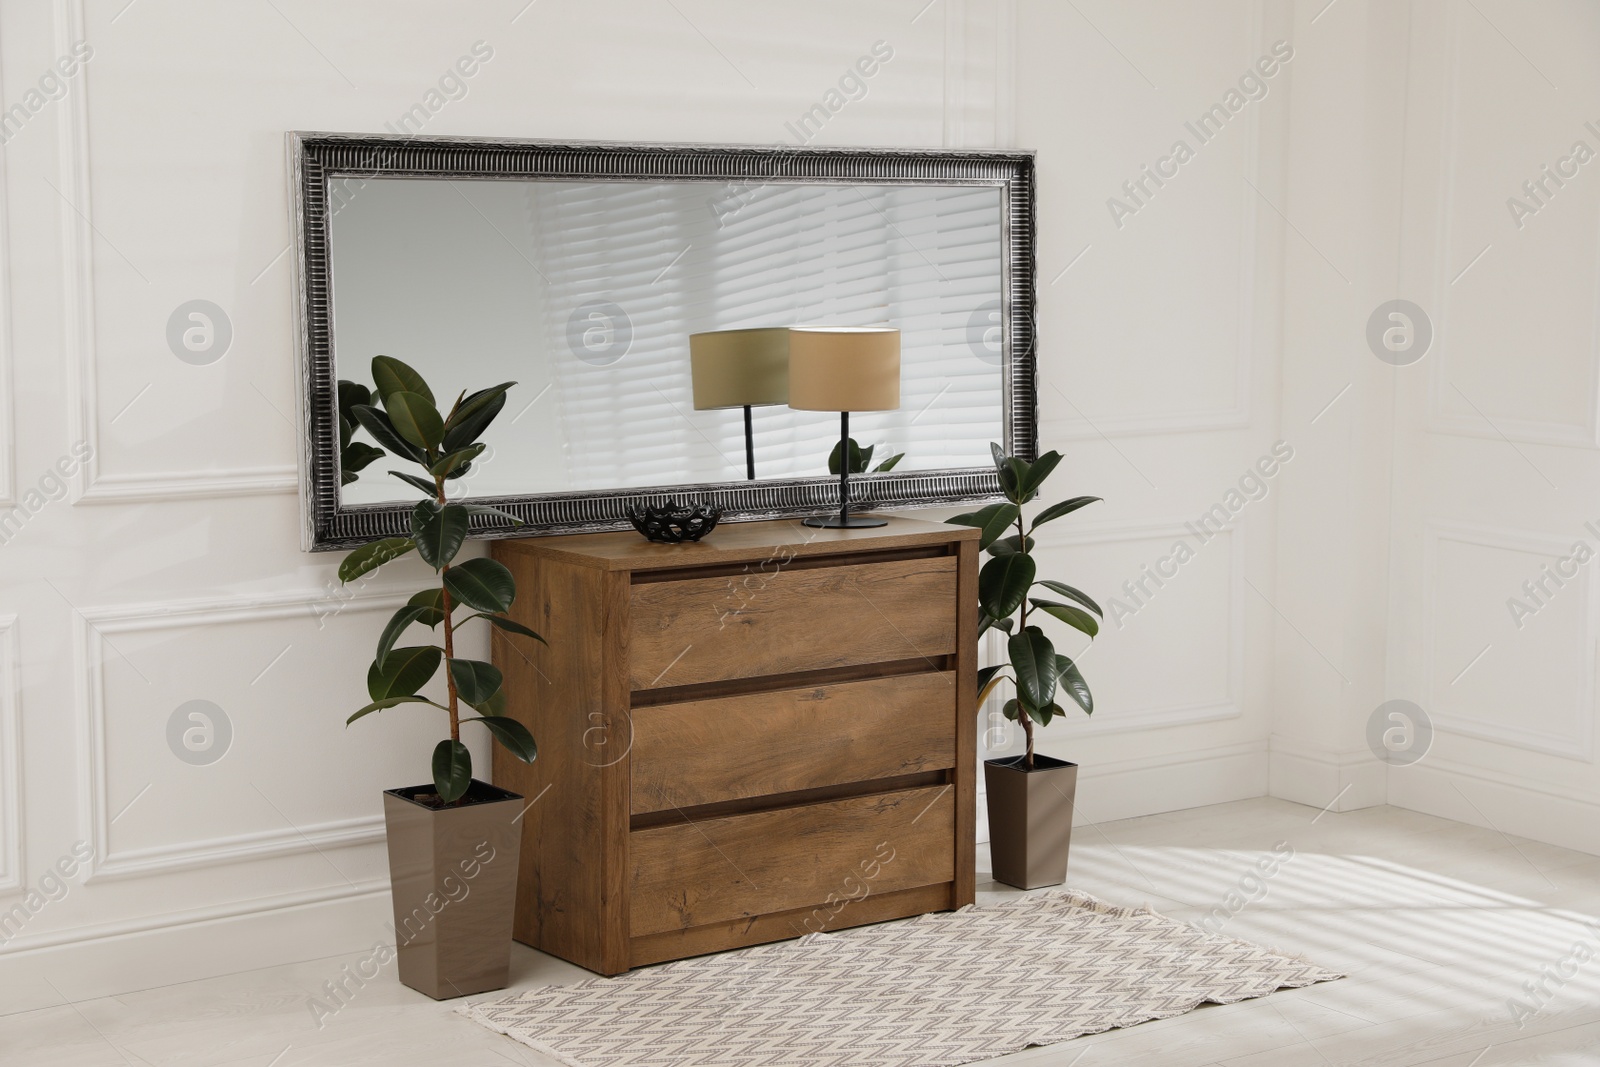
(1498, 802)
(1126, 789)
(1322, 778)
(112, 960)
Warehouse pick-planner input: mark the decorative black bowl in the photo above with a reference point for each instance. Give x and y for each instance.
(674, 522)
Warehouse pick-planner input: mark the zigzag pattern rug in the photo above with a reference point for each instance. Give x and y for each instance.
(940, 989)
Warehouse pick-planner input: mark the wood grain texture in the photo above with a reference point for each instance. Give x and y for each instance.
(742, 866)
(735, 543)
(727, 748)
(777, 926)
(966, 724)
(703, 629)
(804, 787)
(568, 903)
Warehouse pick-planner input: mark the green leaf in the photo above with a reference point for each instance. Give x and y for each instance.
(1037, 471)
(495, 705)
(1009, 546)
(512, 735)
(1010, 709)
(1073, 594)
(383, 431)
(1003, 583)
(1078, 689)
(988, 678)
(391, 376)
(473, 416)
(432, 601)
(483, 584)
(890, 463)
(1068, 614)
(389, 702)
(993, 521)
(358, 455)
(350, 395)
(396, 626)
(1033, 658)
(475, 680)
(985, 623)
(417, 483)
(451, 460)
(370, 557)
(510, 625)
(1012, 476)
(1038, 715)
(460, 472)
(452, 770)
(347, 429)
(404, 671)
(858, 462)
(1065, 507)
(415, 418)
(438, 531)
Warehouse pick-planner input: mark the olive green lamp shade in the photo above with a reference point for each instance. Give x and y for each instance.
(844, 368)
(735, 368)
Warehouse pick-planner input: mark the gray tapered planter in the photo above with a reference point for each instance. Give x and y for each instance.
(454, 875)
(1030, 819)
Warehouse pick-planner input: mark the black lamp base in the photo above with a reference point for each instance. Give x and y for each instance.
(849, 522)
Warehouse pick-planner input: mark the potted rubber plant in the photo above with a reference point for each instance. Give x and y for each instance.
(454, 841)
(1030, 795)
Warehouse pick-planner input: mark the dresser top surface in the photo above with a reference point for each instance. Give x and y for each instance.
(737, 542)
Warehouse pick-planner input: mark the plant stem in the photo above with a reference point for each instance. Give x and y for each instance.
(1027, 722)
(449, 637)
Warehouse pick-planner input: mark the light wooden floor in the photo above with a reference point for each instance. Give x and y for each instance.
(1438, 924)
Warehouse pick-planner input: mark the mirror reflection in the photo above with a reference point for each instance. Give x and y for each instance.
(645, 322)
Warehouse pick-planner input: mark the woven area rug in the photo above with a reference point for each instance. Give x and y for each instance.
(940, 989)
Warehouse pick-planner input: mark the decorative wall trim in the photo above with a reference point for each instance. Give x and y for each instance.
(1579, 744)
(8, 408)
(256, 906)
(93, 804)
(1320, 777)
(89, 485)
(1437, 420)
(11, 821)
(1230, 704)
(1563, 817)
(1237, 415)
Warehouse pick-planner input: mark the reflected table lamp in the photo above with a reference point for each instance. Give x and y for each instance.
(740, 368)
(844, 369)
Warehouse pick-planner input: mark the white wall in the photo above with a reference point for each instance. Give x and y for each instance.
(1178, 344)
(1438, 488)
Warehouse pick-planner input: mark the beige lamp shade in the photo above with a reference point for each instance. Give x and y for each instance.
(732, 368)
(844, 368)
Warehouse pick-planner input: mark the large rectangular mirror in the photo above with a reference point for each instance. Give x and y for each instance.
(608, 281)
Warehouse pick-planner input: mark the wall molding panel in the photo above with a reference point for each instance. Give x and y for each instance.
(1237, 415)
(11, 822)
(81, 329)
(1579, 742)
(1228, 705)
(1437, 419)
(94, 806)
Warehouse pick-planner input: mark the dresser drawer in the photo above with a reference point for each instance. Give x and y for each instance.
(754, 744)
(697, 630)
(814, 855)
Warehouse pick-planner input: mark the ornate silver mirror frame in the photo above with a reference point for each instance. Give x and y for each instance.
(320, 160)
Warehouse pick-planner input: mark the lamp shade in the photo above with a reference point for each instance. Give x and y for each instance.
(732, 368)
(844, 368)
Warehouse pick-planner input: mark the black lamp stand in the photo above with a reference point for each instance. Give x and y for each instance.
(844, 520)
(749, 446)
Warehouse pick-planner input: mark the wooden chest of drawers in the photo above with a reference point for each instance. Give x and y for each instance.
(766, 734)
